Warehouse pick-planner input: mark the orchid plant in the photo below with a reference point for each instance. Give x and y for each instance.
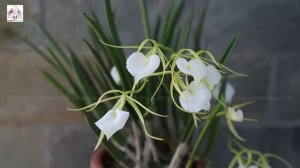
(157, 106)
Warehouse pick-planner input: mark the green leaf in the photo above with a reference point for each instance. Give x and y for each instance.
(171, 21)
(97, 28)
(119, 54)
(199, 28)
(110, 20)
(58, 85)
(186, 30)
(64, 72)
(95, 39)
(102, 83)
(55, 45)
(175, 43)
(105, 73)
(114, 54)
(145, 19)
(228, 52)
(88, 86)
(166, 23)
(157, 28)
(41, 53)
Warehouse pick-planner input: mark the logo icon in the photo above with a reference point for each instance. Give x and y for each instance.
(14, 13)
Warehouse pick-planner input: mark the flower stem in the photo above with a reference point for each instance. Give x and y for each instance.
(201, 136)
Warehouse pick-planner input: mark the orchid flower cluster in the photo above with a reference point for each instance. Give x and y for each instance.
(194, 79)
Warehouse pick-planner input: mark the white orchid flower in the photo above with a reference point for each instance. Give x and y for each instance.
(229, 92)
(194, 67)
(235, 115)
(212, 77)
(115, 75)
(112, 121)
(140, 66)
(196, 97)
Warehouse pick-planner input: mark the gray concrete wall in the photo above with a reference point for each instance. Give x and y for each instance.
(37, 130)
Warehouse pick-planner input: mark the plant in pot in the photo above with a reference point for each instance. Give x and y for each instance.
(156, 106)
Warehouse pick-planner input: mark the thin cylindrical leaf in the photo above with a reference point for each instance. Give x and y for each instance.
(156, 29)
(145, 19)
(186, 30)
(41, 53)
(64, 72)
(54, 44)
(87, 84)
(199, 28)
(228, 52)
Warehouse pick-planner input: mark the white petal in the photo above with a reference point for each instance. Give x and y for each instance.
(253, 166)
(115, 75)
(134, 63)
(182, 65)
(213, 76)
(229, 92)
(194, 67)
(112, 121)
(236, 116)
(196, 98)
(140, 66)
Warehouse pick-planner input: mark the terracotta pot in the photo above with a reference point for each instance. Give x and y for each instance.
(101, 159)
(198, 163)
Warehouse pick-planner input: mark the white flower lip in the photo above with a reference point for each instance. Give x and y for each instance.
(140, 66)
(235, 115)
(213, 76)
(115, 75)
(196, 98)
(112, 121)
(194, 67)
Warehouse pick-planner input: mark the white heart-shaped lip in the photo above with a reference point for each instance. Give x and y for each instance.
(236, 116)
(112, 121)
(140, 66)
(194, 67)
(196, 98)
